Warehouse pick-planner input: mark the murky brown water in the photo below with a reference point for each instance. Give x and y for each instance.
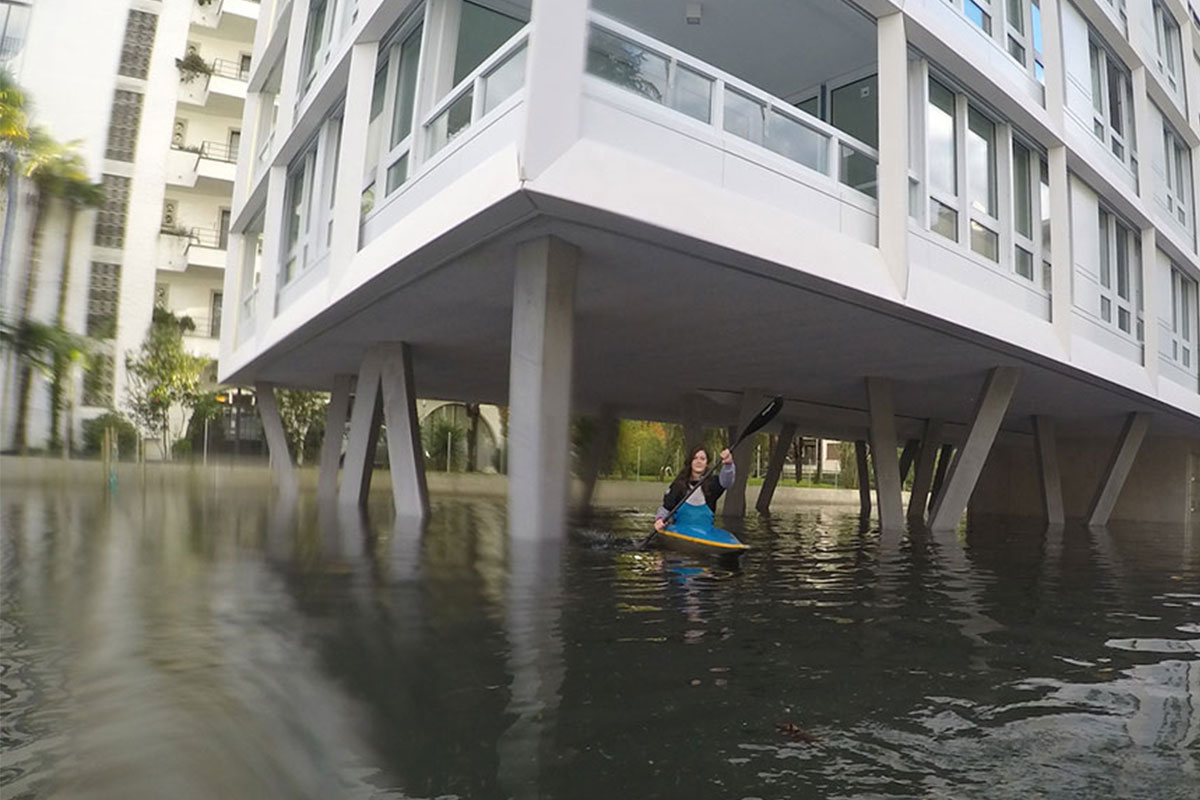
(189, 645)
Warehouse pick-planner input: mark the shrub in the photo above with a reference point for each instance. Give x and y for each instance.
(127, 436)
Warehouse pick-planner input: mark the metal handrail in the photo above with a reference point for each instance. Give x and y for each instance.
(207, 237)
(229, 69)
(218, 151)
(514, 43)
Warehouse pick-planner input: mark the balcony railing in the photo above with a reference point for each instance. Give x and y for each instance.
(500, 76)
(209, 237)
(229, 69)
(218, 151)
(668, 77)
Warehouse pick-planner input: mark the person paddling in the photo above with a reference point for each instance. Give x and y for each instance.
(701, 505)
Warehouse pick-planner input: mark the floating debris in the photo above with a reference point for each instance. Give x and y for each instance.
(796, 733)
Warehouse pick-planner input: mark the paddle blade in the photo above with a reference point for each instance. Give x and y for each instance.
(761, 418)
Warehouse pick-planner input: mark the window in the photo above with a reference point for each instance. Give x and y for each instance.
(981, 185)
(104, 290)
(317, 35)
(1120, 275)
(942, 158)
(1167, 46)
(308, 202)
(1183, 319)
(214, 317)
(298, 222)
(14, 19)
(1178, 177)
(1013, 25)
(1112, 103)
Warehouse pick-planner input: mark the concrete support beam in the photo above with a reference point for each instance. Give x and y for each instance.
(336, 415)
(743, 454)
(989, 412)
(540, 387)
(599, 453)
(281, 459)
(939, 477)
(406, 456)
(1049, 475)
(893, 148)
(907, 456)
(931, 441)
(883, 453)
(366, 417)
(775, 467)
(864, 478)
(1118, 468)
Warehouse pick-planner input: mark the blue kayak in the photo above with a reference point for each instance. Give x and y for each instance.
(701, 539)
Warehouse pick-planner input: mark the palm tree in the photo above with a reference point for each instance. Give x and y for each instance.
(14, 138)
(78, 192)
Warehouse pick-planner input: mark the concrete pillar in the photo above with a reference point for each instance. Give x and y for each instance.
(989, 412)
(883, 453)
(599, 453)
(743, 454)
(281, 459)
(1118, 468)
(926, 461)
(540, 388)
(693, 430)
(1151, 302)
(365, 419)
(352, 150)
(775, 467)
(907, 456)
(1049, 475)
(939, 477)
(291, 78)
(864, 478)
(1061, 261)
(336, 415)
(892, 191)
(553, 82)
(406, 456)
(1052, 62)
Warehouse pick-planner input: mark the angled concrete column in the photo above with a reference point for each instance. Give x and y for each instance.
(939, 477)
(281, 459)
(406, 456)
(539, 388)
(1049, 475)
(599, 453)
(864, 478)
(985, 424)
(336, 415)
(883, 453)
(775, 467)
(693, 430)
(907, 456)
(1118, 468)
(743, 455)
(366, 416)
(926, 461)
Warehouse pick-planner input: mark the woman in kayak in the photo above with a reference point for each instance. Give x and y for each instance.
(701, 505)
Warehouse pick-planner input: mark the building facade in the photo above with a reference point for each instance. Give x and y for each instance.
(968, 223)
(152, 92)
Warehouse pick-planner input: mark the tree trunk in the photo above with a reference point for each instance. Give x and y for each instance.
(472, 437)
(61, 364)
(25, 379)
(798, 456)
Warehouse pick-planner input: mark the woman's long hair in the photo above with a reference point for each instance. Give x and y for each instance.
(685, 474)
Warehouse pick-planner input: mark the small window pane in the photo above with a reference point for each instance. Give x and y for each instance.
(627, 64)
(795, 140)
(941, 135)
(1022, 191)
(693, 93)
(504, 81)
(1105, 309)
(450, 122)
(406, 87)
(397, 173)
(1024, 263)
(985, 242)
(981, 162)
(743, 116)
(978, 16)
(943, 220)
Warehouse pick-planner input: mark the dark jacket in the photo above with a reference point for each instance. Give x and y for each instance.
(713, 487)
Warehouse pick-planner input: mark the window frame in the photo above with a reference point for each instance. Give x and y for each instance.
(1184, 289)
(1102, 65)
(1168, 47)
(1120, 265)
(319, 161)
(316, 49)
(1177, 168)
(1007, 30)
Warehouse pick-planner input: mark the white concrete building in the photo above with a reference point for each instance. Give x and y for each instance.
(967, 222)
(162, 141)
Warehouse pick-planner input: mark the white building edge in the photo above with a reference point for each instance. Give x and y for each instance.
(966, 222)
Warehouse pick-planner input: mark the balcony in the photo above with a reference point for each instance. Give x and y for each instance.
(209, 165)
(173, 249)
(215, 13)
(183, 248)
(218, 86)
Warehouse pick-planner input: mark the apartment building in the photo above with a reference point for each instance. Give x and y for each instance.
(152, 92)
(969, 223)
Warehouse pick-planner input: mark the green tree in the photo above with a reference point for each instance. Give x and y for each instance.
(163, 376)
(300, 412)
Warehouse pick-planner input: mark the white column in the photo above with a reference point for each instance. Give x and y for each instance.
(1052, 61)
(883, 453)
(864, 478)
(352, 154)
(268, 282)
(775, 467)
(281, 459)
(406, 457)
(989, 412)
(931, 442)
(1049, 474)
(1150, 301)
(1118, 468)
(1060, 244)
(365, 420)
(907, 456)
(336, 414)
(553, 82)
(743, 454)
(290, 80)
(893, 147)
(540, 388)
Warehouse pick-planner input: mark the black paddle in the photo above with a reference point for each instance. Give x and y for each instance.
(753, 426)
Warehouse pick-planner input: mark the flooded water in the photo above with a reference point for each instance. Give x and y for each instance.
(190, 645)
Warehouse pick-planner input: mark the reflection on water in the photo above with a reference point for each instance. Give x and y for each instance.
(186, 645)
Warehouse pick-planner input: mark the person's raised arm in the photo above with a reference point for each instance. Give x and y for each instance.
(728, 472)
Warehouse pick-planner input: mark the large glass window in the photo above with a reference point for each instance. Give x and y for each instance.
(1183, 319)
(317, 35)
(981, 184)
(480, 33)
(1120, 275)
(1178, 176)
(1014, 25)
(1167, 46)
(309, 198)
(942, 155)
(1112, 104)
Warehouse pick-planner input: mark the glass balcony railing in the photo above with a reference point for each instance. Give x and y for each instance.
(660, 74)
